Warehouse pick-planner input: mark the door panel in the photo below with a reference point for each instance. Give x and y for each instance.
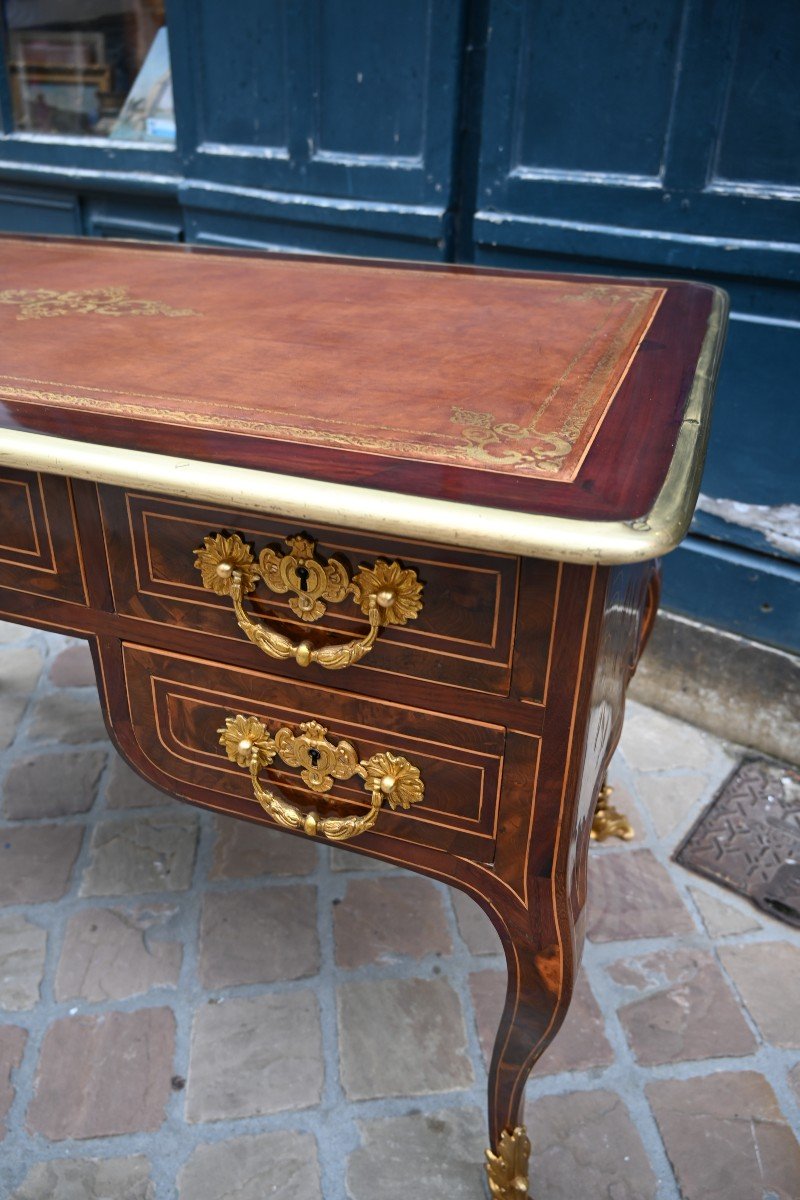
(665, 140)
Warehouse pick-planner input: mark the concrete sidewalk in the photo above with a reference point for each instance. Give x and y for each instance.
(194, 1008)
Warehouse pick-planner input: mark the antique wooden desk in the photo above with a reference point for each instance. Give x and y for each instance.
(364, 550)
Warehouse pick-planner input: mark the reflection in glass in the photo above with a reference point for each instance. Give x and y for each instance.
(96, 68)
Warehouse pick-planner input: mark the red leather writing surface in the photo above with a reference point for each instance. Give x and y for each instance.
(543, 393)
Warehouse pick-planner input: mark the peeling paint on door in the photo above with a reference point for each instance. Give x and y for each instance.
(779, 524)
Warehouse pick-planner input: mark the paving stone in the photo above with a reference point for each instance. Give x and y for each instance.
(652, 741)
(670, 799)
(52, 785)
(88, 1179)
(255, 1055)
(11, 632)
(281, 1166)
(687, 1011)
(584, 1144)
(244, 851)
(344, 859)
(12, 1046)
(726, 1137)
(73, 667)
(19, 673)
(262, 935)
(794, 1080)
(632, 896)
(107, 956)
(579, 1045)
(126, 789)
(476, 929)
(767, 976)
(381, 920)
(720, 919)
(36, 862)
(22, 951)
(401, 1037)
(104, 1075)
(434, 1155)
(65, 717)
(141, 854)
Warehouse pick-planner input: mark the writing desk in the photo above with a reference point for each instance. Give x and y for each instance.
(364, 550)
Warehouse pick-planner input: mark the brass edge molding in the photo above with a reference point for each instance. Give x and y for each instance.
(446, 522)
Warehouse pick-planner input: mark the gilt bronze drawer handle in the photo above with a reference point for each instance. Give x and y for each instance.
(386, 776)
(387, 594)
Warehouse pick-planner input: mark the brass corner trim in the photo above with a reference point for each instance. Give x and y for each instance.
(441, 521)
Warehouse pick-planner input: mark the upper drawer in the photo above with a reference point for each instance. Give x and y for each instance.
(39, 543)
(463, 634)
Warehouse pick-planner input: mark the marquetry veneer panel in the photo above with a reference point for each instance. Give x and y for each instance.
(38, 542)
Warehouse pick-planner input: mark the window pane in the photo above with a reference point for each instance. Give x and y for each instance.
(92, 68)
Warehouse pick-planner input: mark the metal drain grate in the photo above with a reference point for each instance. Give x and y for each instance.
(749, 838)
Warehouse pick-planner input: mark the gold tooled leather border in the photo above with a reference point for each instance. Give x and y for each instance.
(446, 522)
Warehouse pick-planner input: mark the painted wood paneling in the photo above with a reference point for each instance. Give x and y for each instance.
(39, 210)
(667, 142)
(763, 98)
(549, 134)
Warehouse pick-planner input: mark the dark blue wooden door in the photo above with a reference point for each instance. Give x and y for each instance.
(318, 126)
(653, 138)
(664, 138)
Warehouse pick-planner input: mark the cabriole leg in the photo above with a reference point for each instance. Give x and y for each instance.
(540, 982)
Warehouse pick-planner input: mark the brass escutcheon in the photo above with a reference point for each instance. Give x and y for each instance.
(386, 776)
(387, 594)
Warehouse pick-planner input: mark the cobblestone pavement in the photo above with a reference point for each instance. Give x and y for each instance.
(194, 1008)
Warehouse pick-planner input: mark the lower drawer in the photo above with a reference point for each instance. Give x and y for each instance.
(178, 705)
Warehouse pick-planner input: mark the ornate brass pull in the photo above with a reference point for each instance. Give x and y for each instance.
(386, 776)
(387, 594)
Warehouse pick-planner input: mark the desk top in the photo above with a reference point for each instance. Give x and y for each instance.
(539, 397)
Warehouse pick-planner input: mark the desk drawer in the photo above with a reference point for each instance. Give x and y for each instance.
(462, 636)
(38, 538)
(178, 706)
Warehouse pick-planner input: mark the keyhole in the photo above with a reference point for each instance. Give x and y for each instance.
(302, 575)
(315, 756)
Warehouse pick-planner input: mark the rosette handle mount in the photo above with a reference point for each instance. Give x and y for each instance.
(386, 776)
(386, 592)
